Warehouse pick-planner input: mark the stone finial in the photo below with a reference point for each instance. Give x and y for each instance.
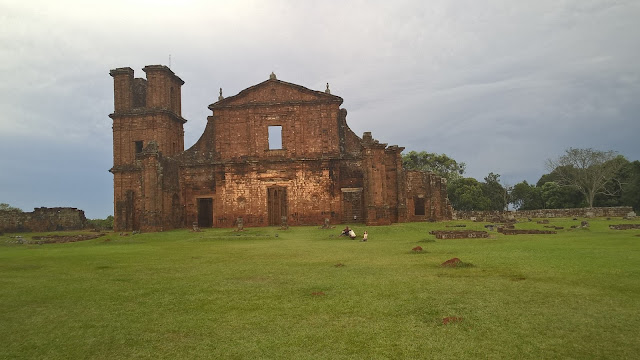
(327, 90)
(220, 97)
(272, 76)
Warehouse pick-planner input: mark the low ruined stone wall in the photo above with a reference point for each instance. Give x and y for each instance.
(459, 234)
(499, 216)
(507, 231)
(42, 219)
(624, 226)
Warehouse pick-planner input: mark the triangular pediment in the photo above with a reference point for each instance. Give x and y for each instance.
(275, 91)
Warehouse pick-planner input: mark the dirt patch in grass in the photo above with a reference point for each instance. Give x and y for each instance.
(318, 293)
(455, 262)
(451, 319)
(58, 239)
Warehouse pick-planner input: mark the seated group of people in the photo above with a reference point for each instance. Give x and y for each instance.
(352, 234)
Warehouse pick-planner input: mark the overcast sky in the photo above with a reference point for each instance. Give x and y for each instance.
(500, 85)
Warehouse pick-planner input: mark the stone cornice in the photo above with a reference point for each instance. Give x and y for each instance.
(144, 111)
(256, 161)
(150, 68)
(272, 103)
(323, 97)
(124, 169)
(121, 71)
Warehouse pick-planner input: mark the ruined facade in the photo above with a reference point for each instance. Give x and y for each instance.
(42, 219)
(275, 150)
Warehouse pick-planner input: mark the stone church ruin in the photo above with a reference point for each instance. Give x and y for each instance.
(274, 151)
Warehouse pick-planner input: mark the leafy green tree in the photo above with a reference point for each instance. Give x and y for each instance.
(631, 189)
(561, 197)
(466, 194)
(494, 191)
(525, 196)
(102, 224)
(626, 188)
(439, 164)
(555, 196)
(7, 207)
(587, 170)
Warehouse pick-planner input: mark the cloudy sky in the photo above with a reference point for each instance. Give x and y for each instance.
(501, 85)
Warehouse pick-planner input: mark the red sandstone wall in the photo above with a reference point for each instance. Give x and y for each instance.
(128, 129)
(147, 111)
(308, 119)
(240, 190)
(433, 190)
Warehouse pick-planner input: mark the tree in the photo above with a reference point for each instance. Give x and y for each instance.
(495, 192)
(102, 224)
(525, 196)
(466, 194)
(631, 189)
(612, 196)
(7, 207)
(587, 170)
(439, 164)
(555, 196)
(627, 188)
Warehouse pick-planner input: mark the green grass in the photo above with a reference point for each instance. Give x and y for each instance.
(252, 294)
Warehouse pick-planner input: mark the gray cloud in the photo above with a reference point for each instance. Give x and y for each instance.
(500, 85)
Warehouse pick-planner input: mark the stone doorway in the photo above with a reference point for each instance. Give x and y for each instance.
(205, 212)
(129, 212)
(276, 204)
(352, 205)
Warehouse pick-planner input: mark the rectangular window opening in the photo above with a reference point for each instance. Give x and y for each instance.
(275, 137)
(138, 147)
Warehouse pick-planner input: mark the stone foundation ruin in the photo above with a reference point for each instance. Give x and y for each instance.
(459, 234)
(42, 219)
(624, 226)
(524, 231)
(506, 216)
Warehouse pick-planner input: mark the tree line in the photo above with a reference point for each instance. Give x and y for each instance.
(579, 178)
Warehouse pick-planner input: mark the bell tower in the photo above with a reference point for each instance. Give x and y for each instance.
(146, 110)
(147, 123)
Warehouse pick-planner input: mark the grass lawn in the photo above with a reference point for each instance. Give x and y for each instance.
(306, 293)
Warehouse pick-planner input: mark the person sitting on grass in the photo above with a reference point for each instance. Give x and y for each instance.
(352, 234)
(345, 232)
(365, 236)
